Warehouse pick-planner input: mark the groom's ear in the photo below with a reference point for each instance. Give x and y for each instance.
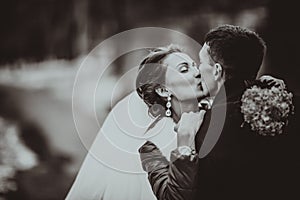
(218, 73)
(163, 92)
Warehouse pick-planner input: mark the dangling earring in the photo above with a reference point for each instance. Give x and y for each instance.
(168, 105)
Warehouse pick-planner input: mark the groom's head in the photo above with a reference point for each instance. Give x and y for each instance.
(230, 52)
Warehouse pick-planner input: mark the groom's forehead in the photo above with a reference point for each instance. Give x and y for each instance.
(204, 51)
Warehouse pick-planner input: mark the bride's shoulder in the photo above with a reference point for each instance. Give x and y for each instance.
(133, 108)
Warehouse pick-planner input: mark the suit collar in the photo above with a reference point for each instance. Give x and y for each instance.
(231, 90)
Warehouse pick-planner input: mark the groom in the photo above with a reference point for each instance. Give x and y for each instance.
(229, 162)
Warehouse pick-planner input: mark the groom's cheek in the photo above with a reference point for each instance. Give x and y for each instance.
(205, 90)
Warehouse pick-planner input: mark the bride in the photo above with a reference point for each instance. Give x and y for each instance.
(111, 169)
(168, 84)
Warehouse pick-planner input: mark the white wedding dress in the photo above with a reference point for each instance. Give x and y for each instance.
(112, 168)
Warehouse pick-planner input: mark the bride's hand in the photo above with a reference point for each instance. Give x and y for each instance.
(270, 80)
(187, 127)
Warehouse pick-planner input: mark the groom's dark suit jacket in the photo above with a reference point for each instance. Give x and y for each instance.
(241, 164)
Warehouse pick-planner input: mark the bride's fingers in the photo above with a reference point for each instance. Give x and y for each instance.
(176, 127)
(271, 81)
(190, 122)
(276, 83)
(188, 126)
(265, 78)
(202, 112)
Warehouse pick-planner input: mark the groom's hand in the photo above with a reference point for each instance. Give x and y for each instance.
(187, 127)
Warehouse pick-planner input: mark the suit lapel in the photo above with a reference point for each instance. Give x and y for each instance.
(214, 120)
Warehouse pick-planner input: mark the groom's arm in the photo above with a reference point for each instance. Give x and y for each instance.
(173, 180)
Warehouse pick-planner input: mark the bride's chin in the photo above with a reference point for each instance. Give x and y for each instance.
(201, 95)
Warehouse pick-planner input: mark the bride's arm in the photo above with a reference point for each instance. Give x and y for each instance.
(176, 179)
(173, 180)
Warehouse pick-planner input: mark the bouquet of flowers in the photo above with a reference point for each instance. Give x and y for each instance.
(267, 108)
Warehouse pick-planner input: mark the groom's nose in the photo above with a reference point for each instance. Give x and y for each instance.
(197, 73)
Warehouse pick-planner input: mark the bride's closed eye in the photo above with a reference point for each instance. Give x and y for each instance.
(183, 67)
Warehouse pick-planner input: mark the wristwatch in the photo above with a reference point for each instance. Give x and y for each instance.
(185, 151)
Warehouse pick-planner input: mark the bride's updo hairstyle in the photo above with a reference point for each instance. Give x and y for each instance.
(152, 75)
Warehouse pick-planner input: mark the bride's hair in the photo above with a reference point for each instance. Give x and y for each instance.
(151, 75)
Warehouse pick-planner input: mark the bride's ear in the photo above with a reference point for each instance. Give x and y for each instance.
(163, 92)
(218, 73)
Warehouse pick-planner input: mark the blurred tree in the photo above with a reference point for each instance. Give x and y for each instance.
(46, 178)
(37, 30)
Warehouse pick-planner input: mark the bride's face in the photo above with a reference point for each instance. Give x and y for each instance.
(183, 77)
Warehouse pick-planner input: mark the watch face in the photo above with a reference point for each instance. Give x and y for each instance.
(185, 150)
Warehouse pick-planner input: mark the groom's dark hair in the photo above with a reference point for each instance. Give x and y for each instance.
(240, 51)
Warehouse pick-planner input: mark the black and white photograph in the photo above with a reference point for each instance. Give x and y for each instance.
(149, 100)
